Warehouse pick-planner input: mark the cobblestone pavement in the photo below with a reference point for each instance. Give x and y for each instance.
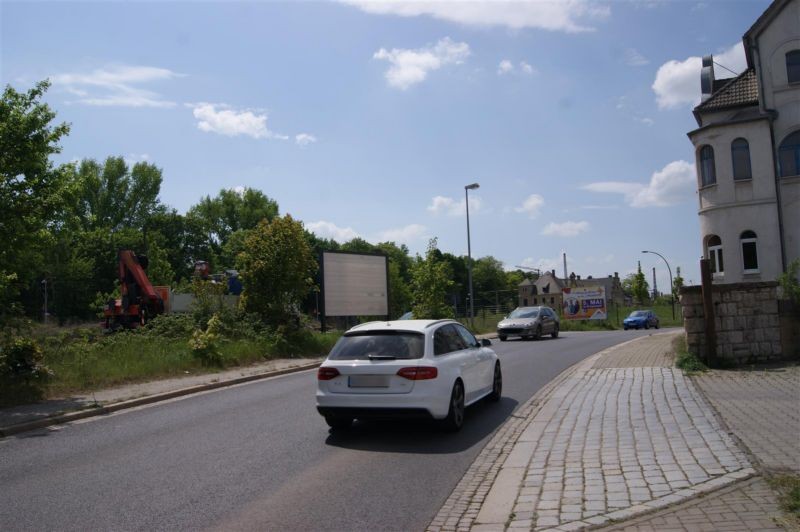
(603, 443)
(763, 409)
(745, 506)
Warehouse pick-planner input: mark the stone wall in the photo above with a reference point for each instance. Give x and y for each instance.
(747, 319)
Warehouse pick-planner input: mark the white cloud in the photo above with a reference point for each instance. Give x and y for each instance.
(634, 58)
(116, 85)
(222, 119)
(570, 16)
(531, 205)
(526, 68)
(404, 235)
(239, 190)
(677, 83)
(443, 204)
(507, 67)
(410, 67)
(565, 229)
(133, 158)
(544, 265)
(325, 229)
(304, 139)
(671, 185)
(645, 120)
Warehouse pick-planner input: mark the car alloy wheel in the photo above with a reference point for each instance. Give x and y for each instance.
(502, 337)
(646, 325)
(455, 416)
(555, 331)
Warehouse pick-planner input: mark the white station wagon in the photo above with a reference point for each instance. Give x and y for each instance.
(430, 369)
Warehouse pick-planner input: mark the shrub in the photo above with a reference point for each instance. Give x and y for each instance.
(204, 344)
(169, 326)
(23, 375)
(790, 281)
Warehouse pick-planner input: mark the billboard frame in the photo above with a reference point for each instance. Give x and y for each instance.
(322, 306)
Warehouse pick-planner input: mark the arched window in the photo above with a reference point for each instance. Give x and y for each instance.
(708, 175)
(749, 252)
(740, 152)
(793, 66)
(714, 246)
(789, 155)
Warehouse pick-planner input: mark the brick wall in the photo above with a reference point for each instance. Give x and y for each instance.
(748, 322)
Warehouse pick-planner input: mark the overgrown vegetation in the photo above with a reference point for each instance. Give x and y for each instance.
(788, 488)
(685, 360)
(81, 359)
(790, 281)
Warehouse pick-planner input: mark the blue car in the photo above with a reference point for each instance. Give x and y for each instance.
(641, 319)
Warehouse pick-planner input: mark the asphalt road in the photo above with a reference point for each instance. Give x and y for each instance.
(258, 456)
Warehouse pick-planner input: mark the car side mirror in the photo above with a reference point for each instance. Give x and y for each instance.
(485, 342)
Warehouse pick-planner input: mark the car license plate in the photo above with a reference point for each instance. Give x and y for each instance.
(368, 381)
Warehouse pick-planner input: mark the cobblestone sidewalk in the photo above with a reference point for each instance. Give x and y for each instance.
(606, 442)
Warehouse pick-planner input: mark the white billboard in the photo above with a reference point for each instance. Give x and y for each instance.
(354, 284)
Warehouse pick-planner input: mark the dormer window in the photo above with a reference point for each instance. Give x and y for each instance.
(793, 66)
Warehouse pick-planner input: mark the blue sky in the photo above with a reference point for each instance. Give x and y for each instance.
(368, 118)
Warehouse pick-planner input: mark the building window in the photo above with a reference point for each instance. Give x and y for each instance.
(793, 66)
(714, 245)
(749, 252)
(707, 174)
(789, 155)
(740, 152)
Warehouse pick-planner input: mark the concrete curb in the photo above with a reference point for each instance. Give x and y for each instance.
(150, 399)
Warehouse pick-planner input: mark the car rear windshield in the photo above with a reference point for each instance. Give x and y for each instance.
(524, 313)
(378, 345)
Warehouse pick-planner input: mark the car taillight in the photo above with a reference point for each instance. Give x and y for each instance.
(419, 373)
(326, 374)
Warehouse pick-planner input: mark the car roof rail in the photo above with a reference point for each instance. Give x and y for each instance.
(446, 320)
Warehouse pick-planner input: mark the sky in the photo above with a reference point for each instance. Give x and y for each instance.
(367, 118)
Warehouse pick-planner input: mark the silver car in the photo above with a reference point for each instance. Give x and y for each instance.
(529, 322)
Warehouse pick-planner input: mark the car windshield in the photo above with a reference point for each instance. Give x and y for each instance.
(524, 313)
(638, 314)
(378, 345)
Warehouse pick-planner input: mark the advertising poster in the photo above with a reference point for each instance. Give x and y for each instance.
(584, 303)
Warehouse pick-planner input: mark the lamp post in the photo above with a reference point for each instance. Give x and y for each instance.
(467, 188)
(671, 286)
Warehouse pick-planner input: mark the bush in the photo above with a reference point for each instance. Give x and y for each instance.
(169, 326)
(23, 375)
(685, 360)
(204, 344)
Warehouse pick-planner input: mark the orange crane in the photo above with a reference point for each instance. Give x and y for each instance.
(139, 300)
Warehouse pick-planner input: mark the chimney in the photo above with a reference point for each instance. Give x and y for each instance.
(554, 273)
(707, 78)
(616, 275)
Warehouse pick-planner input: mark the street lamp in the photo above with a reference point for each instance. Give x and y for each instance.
(467, 188)
(671, 286)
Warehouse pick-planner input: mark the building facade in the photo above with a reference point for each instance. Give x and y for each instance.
(747, 149)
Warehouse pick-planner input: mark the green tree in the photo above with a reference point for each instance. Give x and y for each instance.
(488, 279)
(430, 285)
(277, 269)
(30, 186)
(639, 287)
(232, 211)
(112, 196)
(677, 283)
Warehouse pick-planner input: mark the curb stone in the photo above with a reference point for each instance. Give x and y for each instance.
(150, 399)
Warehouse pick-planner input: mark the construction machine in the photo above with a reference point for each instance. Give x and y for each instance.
(140, 300)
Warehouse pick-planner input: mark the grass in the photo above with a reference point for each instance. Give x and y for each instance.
(788, 488)
(684, 360)
(82, 363)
